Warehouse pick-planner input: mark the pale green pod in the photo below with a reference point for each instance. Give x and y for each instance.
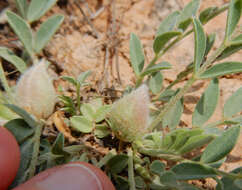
(129, 116)
(35, 91)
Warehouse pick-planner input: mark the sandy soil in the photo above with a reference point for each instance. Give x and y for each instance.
(103, 47)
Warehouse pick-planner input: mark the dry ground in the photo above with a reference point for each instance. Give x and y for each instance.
(100, 42)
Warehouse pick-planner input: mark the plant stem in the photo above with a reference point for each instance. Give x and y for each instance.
(171, 103)
(131, 170)
(230, 175)
(211, 59)
(36, 141)
(158, 56)
(78, 97)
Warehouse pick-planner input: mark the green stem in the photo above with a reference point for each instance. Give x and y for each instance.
(230, 175)
(78, 97)
(36, 141)
(179, 38)
(158, 56)
(172, 102)
(131, 170)
(211, 59)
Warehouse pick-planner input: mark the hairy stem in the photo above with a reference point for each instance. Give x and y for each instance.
(78, 97)
(36, 141)
(212, 58)
(131, 170)
(171, 103)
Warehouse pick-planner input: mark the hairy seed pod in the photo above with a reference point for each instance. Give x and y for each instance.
(35, 92)
(129, 115)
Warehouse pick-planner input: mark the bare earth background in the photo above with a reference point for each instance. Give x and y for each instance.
(100, 42)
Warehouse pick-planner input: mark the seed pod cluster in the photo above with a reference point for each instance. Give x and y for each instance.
(129, 115)
(35, 92)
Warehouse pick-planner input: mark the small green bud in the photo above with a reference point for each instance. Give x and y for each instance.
(35, 92)
(129, 115)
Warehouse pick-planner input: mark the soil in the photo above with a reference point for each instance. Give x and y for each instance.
(99, 41)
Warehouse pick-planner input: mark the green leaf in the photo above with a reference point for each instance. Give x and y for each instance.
(101, 113)
(221, 69)
(233, 17)
(81, 124)
(38, 8)
(26, 150)
(157, 167)
(83, 76)
(207, 14)
(218, 149)
(58, 145)
(117, 163)
(229, 183)
(189, 171)
(166, 95)
(22, 6)
(136, 54)
(101, 131)
(229, 51)
(172, 117)
(46, 31)
(20, 129)
(22, 29)
(181, 136)
(139, 182)
(15, 60)
(155, 82)
(155, 68)
(88, 112)
(237, 40)
(121, 183)
(234, 104)
(209, 42)
(6, 113)
(200, 44)
(238, 183)
(168, 178)
(189, 11)
(5, 86)
(207, 104)
(168, 23)
(195, 142)
(218, 163)
(96, 103)
(70, 80)
(25, 115)
(161, 40)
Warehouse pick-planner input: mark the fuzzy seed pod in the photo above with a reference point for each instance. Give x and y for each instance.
(35, 92)
(129, 115)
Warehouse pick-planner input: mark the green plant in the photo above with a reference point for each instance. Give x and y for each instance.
(154, 152)
(33, 42)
